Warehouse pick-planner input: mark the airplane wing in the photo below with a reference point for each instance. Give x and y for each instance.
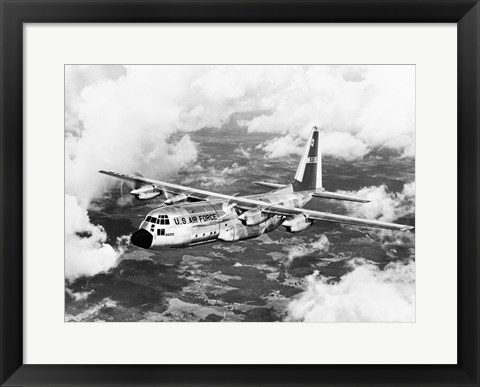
(337, 196)
(343, 219)
(269, 185)
(247, 203)
(173, 189)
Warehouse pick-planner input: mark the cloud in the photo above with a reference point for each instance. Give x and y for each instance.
(76, 79)
(246, 153)
(93, 313)
(235, 169)
(123, 117)
(86, 250)
(126, 124)
(282, 146)
(338, 144)
(385, 206)
(353, 73)
(138, 118)
(342, 145)
(78, 296)
(374, 104)
(366, 294)
(213, 177)
(302, 249)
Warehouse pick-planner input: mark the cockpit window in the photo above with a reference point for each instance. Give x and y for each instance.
(163, 219)
(150, 219)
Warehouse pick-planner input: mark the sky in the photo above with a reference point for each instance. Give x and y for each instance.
(122, 117)
(141, 118)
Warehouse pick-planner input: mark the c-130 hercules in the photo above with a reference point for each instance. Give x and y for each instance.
(191, 216)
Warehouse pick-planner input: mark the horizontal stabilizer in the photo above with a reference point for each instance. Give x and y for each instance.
(269, 185)
(337, 196)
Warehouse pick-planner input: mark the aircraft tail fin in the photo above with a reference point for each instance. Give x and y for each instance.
(309, 172)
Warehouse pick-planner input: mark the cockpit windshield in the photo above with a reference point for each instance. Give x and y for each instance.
(162, 219)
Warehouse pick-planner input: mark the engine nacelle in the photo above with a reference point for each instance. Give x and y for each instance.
(239, 232)
(146, 192)
(176, 199)
(253, 217)
(297, 223)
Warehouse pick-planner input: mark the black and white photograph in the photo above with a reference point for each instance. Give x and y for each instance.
(240, 193)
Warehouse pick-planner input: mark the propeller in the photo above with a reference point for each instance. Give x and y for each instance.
(125, 197)
(227, 207)
(125, 188)
(165, 193)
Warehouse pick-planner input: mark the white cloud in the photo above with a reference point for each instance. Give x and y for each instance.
(92, 313)
(86, 250)
(213, 177)
(76, 79)
(374, 104)
(245, 152)
(302, 249)
(282, 146)
(385, 206)
(366, 294)
(122, 117)
(79, 296)
(338, 144)
(343, 145)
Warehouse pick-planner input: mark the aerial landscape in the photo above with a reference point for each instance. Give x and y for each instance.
(223, 130)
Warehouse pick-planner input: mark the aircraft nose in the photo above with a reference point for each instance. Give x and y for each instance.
(142, 238)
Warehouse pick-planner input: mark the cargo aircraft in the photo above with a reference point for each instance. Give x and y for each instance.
(191, 216)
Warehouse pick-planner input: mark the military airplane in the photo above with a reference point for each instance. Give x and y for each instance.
(191, 216)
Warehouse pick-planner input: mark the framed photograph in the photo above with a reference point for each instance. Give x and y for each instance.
(216, 193)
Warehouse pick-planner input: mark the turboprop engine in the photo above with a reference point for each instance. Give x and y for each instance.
(176, 199)
(146, 192)
(297, 223)
(253, 217)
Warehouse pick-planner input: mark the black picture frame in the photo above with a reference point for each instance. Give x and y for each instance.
(14, 13)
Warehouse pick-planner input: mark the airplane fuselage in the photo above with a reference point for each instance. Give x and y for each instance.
(187, 224)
